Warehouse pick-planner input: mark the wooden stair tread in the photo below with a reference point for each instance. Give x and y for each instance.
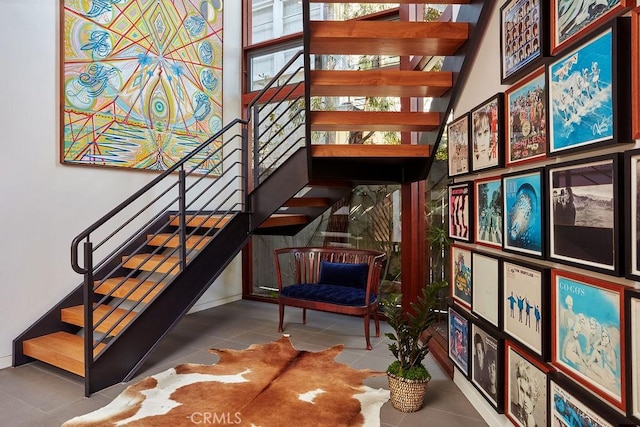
(121, 288)
(206, 221)
(395, 1)
(308, 202)
(61, 349)
(276, 220)
(173, 241)
(374, 121)
(387, 37)
(370, 151)
(399, 83)
(163, 263)
(119, 317)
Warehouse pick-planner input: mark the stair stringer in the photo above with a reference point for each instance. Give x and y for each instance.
(52, 322)
(122, 357)
(285, 182)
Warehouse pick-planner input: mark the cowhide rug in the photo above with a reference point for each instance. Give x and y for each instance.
(265, 385)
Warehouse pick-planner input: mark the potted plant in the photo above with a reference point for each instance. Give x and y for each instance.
(407, 375)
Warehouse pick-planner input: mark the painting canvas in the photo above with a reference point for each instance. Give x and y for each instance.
(588, 342)
(632, 210)
(526, 115)
(487, 365)
(526, 389)
(460, 215)
(458, 145)
(583, 213)
(486, 287)
(141, 82)
(459, 340)
(581, 98)
(521, 35)
(461, 273)
(486, 134)
(523, 220)
(567, 410)
(573, 19)
(488, 211)
(525, 309)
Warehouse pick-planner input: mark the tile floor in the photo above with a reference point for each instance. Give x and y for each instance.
(39, 395)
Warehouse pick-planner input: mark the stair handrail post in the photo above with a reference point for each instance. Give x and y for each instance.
(245, 167)
(306, 46)
(88, 315)
(182, 207)
(256, 146)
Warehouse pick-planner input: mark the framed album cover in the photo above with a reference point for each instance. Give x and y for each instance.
(526, 388)
(522, 37)
(523, 225)
(586, 109)
(460, 215)
(635, 71)
(571, 20)
(632, 213)
(487, 367)
(459, 340)
(461, 275)
(488, 211)
(588, 337)
(486, 275)
(458, 145)
(487, 134)
(632, 309)
(525, 296)
(526, 116)
(583, 199)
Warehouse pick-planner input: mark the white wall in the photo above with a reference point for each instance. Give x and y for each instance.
(484, 82)
(44, 204)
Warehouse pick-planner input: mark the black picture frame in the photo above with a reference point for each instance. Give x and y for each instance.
(487, 348)
(461, 273)
(458, 145)
(488, 211)
(632, 213)
(487, 134)
(587, 106)
(461, 211)
(524, 222)
(486, 298)
(459, 327)
(526, 314)
(526, 387)
(583, 205)
(524, 28)
(632, 329)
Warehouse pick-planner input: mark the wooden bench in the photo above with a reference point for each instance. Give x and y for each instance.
(336, 280)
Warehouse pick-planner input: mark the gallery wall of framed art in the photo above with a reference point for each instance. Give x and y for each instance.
(557, 211)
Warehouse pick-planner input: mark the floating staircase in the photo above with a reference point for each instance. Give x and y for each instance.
(150, 259)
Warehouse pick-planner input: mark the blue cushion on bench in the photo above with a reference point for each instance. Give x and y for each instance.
(335, 294)
(344, 274)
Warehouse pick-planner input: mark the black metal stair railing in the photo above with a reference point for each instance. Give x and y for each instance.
(212, 182)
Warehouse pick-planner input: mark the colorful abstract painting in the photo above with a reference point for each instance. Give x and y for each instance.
(142, 82)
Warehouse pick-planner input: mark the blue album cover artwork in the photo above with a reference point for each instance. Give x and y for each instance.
(581, 95)
(523, 213)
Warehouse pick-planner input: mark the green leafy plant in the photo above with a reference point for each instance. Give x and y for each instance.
(406, 344)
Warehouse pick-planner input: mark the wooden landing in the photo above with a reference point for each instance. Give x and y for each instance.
(370, 151)
(276, 220)
(61, 349)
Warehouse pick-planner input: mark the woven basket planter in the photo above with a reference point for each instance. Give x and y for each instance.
(406, 395)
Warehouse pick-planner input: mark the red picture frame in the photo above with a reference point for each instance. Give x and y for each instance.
(635, 72)
(578, 31)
